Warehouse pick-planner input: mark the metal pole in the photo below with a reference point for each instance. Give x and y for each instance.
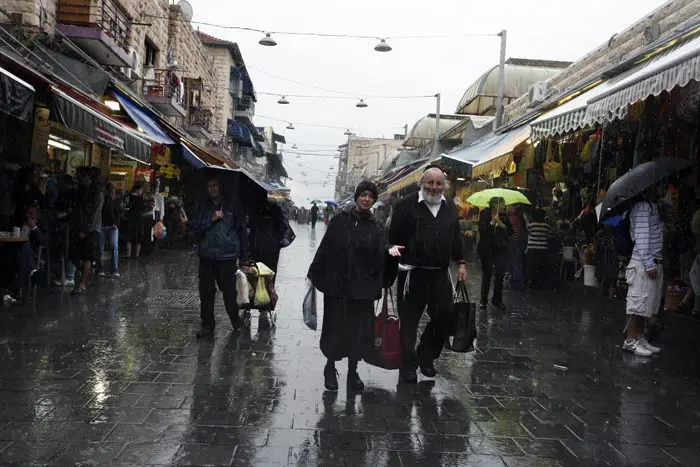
(501, 81)
(600, 161)
(437, 126)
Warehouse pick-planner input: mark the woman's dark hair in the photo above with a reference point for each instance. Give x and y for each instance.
(137, 186)
(539, 215)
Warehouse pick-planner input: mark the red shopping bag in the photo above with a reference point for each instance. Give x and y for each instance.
(386, 349)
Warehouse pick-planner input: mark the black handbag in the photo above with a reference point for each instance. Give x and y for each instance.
(463, 327)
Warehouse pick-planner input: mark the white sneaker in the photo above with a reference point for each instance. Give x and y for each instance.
(636, 347)
(69, 283)
(645, 343)
(101, 274)
(115, 275)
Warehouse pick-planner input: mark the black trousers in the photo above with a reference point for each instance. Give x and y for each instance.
(313, 221)
(539, 268)
(493, 264)
(223, 274)
(431, 288)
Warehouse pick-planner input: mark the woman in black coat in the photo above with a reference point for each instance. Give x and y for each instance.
(348, 269)
(494, 231)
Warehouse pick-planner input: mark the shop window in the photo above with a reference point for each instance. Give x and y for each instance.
(149, 59)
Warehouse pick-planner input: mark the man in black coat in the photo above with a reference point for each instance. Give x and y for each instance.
(428, 225)
(314, 215)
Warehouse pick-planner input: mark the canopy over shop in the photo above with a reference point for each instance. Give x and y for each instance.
(16, 117)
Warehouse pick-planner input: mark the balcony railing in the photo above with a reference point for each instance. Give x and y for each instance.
(100, 14)
(166, 91)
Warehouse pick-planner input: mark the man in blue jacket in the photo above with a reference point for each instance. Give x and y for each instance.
(221, 233)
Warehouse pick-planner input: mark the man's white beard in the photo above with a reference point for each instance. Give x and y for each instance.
(431, 199)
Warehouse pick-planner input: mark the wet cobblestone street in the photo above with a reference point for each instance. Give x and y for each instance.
(117, 378)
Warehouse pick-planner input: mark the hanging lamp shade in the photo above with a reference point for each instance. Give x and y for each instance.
(348, 132)
(383, 46)
(283, 100)
(290, 127)
(361, 104)
(268, 41)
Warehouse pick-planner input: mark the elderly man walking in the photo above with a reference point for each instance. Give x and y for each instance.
(428, 225)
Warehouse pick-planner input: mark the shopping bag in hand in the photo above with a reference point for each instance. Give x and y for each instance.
(386, 350)
(463, 326)
(242, 292)
(309, 306)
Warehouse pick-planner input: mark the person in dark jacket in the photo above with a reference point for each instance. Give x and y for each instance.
(428, 225)
(348, 270)
(314, 215)
(111, 217)
(222, 244)
(494, 233)
(87, 223)
(134, 221)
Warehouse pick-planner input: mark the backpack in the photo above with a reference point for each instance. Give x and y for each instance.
(623, 237)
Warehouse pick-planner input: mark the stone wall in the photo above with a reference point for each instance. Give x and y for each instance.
(222, 61)
(192, 56)
(39, 14)
(621, 46)
(154, 13)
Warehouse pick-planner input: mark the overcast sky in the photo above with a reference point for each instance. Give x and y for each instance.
(538, 29)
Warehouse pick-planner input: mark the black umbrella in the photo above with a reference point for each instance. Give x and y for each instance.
(234, 184)
(636, 181)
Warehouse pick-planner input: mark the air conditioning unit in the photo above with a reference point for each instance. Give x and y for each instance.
(137, 67)
(537, 93)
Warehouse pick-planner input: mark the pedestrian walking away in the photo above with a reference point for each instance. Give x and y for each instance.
(87, 224)
(644, 272)
(314, 215)
(494, 233)
(109, 235)
(348, 269)
(222, 243)
(427, 224)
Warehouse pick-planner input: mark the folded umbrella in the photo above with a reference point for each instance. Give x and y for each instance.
(632, 184)
(483, 198)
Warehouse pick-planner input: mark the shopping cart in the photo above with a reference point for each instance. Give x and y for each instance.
(268, 314)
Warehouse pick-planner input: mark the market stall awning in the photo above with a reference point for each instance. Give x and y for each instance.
(142, 119)
(96, 126)
(410, 178)
(676, 66)
(16, 97)
(192, 158)
(482, 156)
(569, 116)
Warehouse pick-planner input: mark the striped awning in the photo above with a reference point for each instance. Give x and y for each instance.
(409, 179)
(676, 66)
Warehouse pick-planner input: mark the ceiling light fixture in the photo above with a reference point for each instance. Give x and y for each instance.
(383, 46)
(113, 105)
(267, 41)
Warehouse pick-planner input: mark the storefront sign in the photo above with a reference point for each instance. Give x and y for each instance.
(40, 138)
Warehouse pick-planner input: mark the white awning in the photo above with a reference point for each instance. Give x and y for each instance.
(484, 154)
(569, 116)
(673, 67)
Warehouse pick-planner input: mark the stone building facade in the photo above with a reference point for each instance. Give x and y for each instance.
(664, 20)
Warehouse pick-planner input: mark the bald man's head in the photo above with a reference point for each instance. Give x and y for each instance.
(432, 185)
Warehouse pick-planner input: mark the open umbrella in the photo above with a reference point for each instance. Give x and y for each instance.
(636, 181)
(316, 201)
(331, 204)
(483, 198)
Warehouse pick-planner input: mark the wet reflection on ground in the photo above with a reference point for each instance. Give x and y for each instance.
(116, 377)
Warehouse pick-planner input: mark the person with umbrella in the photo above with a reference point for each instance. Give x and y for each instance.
(314, 215)
(645, 271)
(222, 244)
(494, 231)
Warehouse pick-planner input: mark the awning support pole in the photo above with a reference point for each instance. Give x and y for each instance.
(436, 151)
(501, 81)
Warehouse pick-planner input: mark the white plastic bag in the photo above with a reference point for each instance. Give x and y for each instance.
(242, 288)
(309, 306)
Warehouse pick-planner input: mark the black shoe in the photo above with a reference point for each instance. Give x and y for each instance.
(428, 370)
(330, 377)
(499, 305)
(482, 304)
(205, 332)
(354, 382)
(264, 320)
(408, 377)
